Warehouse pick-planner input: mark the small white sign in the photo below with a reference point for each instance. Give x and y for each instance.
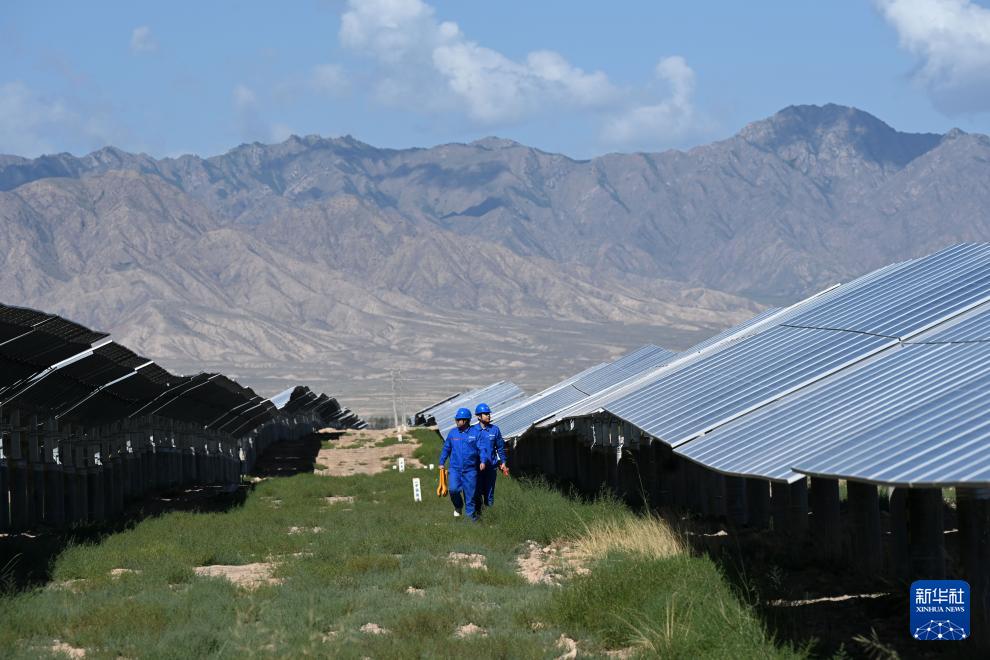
(402, 464)
(400, 437)
(431, 466)
(417, 491)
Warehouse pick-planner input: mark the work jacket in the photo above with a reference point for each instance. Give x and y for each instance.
(491, 437)
(465, 450)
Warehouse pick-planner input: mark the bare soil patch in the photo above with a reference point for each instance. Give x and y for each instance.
(248, 576)
(304, 530)
(470, 630)
(551, 564)
(117, 572)
(374, 629)
(466, 560)
(355, 453)
(63, 648)
(568, 646)
(339, 499)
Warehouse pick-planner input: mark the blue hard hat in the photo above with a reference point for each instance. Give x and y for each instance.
(463, 413)
(482, 408)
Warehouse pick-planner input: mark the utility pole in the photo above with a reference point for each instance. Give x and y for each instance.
(395, 409)
(402, 403)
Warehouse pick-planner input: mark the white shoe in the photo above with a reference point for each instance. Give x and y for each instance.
(457, 514)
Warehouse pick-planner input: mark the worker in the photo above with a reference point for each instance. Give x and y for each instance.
(468, 457)
(490, 435)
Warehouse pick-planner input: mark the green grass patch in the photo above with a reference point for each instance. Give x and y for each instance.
(358, 570)
(387, 442)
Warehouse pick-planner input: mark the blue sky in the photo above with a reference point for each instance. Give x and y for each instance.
(581, 78)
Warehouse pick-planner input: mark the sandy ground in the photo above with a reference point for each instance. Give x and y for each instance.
(63, 649)
(551, 564)
(249, 576)
(473, 560)
(354, 452)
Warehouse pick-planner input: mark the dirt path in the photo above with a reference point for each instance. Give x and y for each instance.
(359, 452)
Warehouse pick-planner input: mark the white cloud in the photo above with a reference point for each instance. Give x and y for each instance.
(432, 64)
(142, 41)
(952, 40)
(670, 120)
(32, 123)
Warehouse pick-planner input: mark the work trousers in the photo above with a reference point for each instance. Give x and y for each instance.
(463, 490)
(486, 485)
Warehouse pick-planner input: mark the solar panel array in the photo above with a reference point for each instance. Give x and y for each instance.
(497, 395)
(878, 380)
(75, 403)
(301, 400)
(516, 420)
(425, 416)
(58, 368)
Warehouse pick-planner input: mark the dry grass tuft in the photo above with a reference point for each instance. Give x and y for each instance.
(647, 537)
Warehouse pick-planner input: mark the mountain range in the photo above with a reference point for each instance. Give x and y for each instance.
(331, 262)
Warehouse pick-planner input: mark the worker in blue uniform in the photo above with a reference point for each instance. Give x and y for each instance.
(489, 435)
(468, 458)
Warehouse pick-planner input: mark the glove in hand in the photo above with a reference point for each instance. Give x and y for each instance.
(442, 486)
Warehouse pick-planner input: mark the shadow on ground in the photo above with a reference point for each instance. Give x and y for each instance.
(824, 608)
(289, 457)
(27, 559)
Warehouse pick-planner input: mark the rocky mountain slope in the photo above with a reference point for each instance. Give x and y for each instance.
(334, 261)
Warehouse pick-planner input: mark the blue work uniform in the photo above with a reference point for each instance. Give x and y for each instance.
(465, 453)
(491, 437)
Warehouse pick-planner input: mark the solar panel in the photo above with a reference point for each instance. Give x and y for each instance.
(421, 416)
(748, 324)
(527, 412)
(971, 327)
(767, 442)
(517, 421)
(686, 402)
(282, 398)
(759, 323)
(638, 361)
(940, 442)
(693, 398)
(498, 395)
(911, 298)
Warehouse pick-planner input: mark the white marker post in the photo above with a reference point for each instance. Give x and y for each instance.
(431, 466)
(402, 464)
(417, 491)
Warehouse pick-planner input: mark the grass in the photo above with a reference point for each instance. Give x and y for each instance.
(647, 592)
(642, 538)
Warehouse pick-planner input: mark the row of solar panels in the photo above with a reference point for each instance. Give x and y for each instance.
(497, 395)
(62, 369)
(878, 380)
(300, 400)
(516, 412)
